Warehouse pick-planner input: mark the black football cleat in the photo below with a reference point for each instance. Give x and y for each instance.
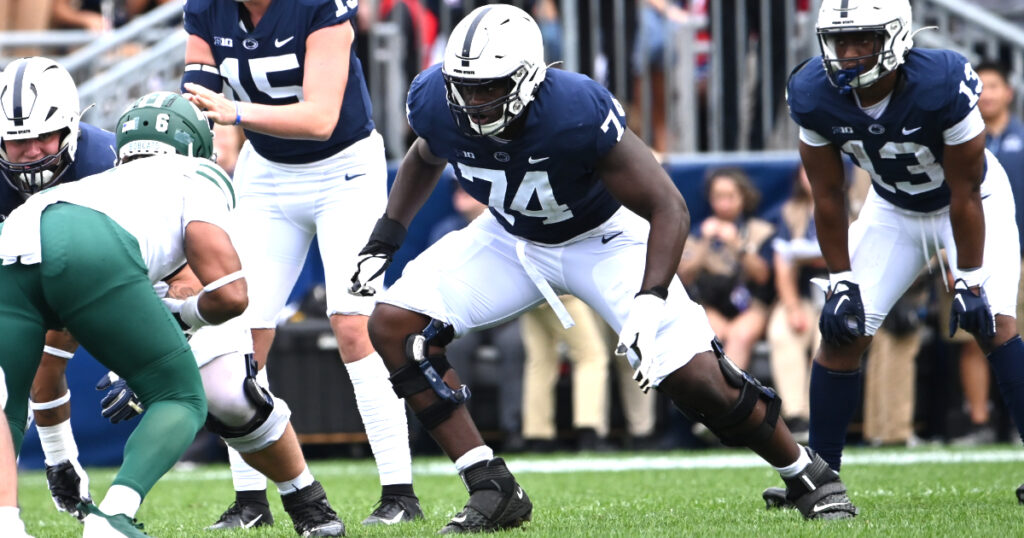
(495, 502)
(1020, 494)
(242, 515)
(817, 493)
(311, 512)
(65, 489)
(392, 509)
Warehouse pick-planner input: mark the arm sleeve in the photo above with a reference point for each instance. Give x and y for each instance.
(968, 128)
(812, 138)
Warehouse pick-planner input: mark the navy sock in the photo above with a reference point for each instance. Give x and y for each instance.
(1008, 365)
(835, 396)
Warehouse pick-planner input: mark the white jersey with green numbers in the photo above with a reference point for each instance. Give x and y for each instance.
(152, 198)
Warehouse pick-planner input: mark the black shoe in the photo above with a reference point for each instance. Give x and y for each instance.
(393, 509)
(65, 489)
(817, 493)
(495, 500)
(243, 515)
(311, 513)
(1020, 494)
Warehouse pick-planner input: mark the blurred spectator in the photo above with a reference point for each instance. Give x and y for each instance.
(793, 326)
(659, 20)
(464, 353)
(726, 263)
(84, 14)
(98, 15)
(25, 15)
(1005, 139)
(542, 334)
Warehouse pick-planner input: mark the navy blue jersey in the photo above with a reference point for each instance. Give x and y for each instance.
(95, 154)
(266, 66)
(902, 149)
(542, 186)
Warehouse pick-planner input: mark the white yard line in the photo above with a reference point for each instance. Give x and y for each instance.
(633, 462)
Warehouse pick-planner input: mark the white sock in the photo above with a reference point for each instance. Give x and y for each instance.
(58, 443)
(384, 419)
(10, 521)
(121, 500)
(304, 479)
(797, 467)
(243, 476)
(475, 455)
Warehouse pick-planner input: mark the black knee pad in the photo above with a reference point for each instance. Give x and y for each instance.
(260, 397)
(751, 390)
(424, 372)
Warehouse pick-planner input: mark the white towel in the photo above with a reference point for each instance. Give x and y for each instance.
(19, 238)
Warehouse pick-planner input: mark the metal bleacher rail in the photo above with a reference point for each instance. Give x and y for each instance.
(735, 101)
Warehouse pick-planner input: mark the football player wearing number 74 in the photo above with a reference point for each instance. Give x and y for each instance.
(578, 205)
(908, 117)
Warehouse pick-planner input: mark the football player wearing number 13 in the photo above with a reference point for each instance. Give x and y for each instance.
(549, 152)
(909, 118)
(313, 164)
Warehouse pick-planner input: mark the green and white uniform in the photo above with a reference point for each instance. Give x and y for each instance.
(85, 256)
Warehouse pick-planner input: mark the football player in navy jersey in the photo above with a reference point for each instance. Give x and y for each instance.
(44, 143)
(578, 205)
(313, 164)
(909, 118)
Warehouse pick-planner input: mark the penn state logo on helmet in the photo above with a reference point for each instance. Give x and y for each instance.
(37, 97)
(493, 66)
(163, 123)
(888, 21)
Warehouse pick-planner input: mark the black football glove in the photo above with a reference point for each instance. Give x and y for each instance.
(842, 317)
(376, 256)
(971, 312)
(120, 403)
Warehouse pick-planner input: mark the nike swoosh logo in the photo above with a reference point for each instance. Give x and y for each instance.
(910, 131)
(608, 237)
(532, 160)
(350, 177)
(519, 492)
(821, 507)
(461, 518)
(962, 304)
(396, 519)
(248, 525)
(840, 303)
(282, 42)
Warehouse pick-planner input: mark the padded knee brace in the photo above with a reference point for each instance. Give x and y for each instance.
(427, 372)
(260, 398)
(751, 390)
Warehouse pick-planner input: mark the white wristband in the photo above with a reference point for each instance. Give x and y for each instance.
(190, 313)
(973, 277)
(834, 278)
(57, 352)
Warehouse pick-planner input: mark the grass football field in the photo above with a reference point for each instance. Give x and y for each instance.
(926, 491)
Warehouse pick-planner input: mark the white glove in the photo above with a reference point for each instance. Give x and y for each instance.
(636, 340)
(186, 312)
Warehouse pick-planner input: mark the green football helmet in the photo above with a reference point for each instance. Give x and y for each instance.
(163, 123)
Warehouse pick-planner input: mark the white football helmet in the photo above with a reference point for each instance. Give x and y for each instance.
(38, 96)
(494, 44)
(890, 19)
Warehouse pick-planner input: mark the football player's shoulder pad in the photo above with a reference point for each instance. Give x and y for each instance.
(933, 74)
(426, 97)
(197, 6)
(806, 81)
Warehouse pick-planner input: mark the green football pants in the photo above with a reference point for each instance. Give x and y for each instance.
(92, 280)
